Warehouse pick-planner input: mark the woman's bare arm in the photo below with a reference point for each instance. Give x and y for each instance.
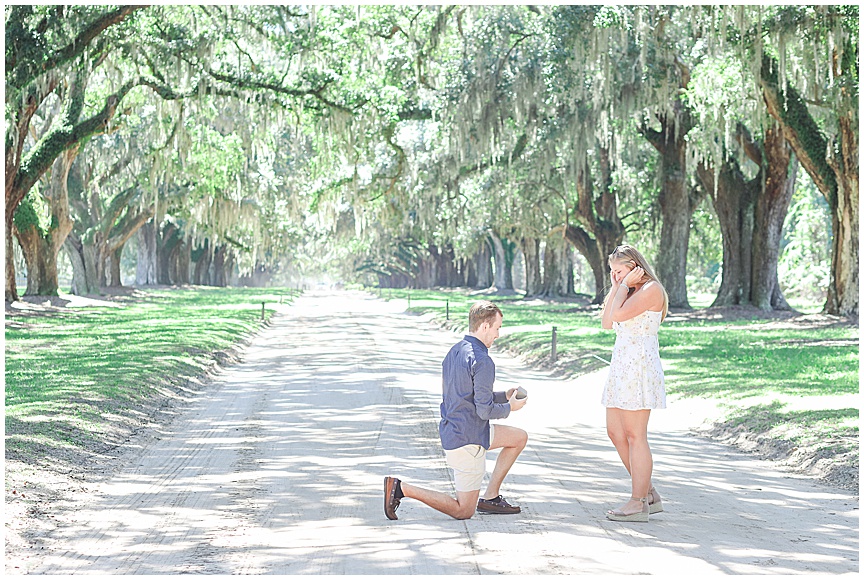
(649, 297)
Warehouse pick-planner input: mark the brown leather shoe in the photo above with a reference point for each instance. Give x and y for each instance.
(391, 502)
(497, 505)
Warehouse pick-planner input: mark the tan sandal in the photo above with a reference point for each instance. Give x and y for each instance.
(640, 516)
(655, 506)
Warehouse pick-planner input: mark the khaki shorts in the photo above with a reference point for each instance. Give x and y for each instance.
(468, 464)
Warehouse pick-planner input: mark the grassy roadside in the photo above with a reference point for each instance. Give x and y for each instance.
(78, 381)
(789, 384)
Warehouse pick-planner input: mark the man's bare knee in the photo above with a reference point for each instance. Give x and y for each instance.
(517, 440)
(465, 512)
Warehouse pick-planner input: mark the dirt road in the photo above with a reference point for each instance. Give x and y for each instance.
(279, 470)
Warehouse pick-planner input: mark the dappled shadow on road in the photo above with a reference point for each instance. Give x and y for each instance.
(280, 470)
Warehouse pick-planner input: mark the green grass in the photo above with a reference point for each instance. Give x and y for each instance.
(833, 431)
(704, 358)
(711, 360)
(73, 375)
(70, 374)
(729, 361)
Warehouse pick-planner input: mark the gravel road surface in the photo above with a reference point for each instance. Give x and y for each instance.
(279, 468)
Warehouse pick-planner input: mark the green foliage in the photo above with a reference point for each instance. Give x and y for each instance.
(805, 252)
(796, 115)
(705, 251)
(609, 16)
(323, 136)
(33, 212)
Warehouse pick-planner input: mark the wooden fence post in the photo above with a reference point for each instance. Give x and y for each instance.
(554, 344)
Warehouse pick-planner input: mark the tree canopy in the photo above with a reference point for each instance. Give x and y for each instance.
(429, 145)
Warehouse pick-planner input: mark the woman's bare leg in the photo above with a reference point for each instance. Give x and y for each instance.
(629, 433)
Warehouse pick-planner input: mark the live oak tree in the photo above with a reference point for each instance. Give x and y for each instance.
(418, 142)
(750, 204)
(180, 58)
(831, 159)
(43, 46)
(802, 63)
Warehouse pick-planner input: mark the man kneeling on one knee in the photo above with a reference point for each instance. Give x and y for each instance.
(468, 404)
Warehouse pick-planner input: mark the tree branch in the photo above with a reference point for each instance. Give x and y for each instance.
(130, 224)
(751, 148)
(20, 77)
(242, 83)
(800, 129)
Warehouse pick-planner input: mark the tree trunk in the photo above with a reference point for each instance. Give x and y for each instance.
(444, 269)
(219, 260)
(79, 273)
(770, 213)
(677, 204)
(561, 282)
(441, 267)
(257, 278)
(84, 259)
(116, 232)
(451, 279)
(145, 268)
(596, 258)
(555, 265)
(595, 229)
(504, 254)
(531, 252)
(833, 168)
(483, 265)
(570, 276)
(41, 249)
(751, 215)
(180, 259)
(469, 273)
(228, 266)
(15, 188)
(11, 287)
(734, 200)
(201, 274)
(113, 268)
(166, 243)
(425, 271)
(843, 291)
(32, 243)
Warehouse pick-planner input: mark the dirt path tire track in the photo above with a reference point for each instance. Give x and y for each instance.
(278, 469)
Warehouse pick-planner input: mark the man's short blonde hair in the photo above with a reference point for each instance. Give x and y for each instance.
(483, 311)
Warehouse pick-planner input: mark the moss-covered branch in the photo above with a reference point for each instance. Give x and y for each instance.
(800, 129)
(23, 68)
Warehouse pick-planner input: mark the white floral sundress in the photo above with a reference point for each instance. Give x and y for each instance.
(635, 378)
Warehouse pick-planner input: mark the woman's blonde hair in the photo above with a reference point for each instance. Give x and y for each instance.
(627, 253)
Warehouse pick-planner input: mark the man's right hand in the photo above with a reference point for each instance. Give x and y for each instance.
(516, 404)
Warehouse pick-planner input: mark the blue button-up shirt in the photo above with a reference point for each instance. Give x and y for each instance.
(468, 374)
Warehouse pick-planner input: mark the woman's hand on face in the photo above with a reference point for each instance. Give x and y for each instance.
(633, 277)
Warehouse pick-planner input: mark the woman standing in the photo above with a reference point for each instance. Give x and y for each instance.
(635, 307)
